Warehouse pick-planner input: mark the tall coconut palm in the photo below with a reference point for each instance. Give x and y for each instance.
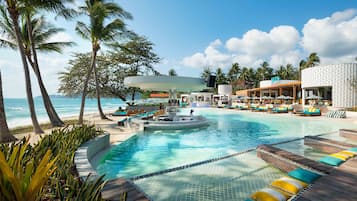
(5, 135)
(233, 72)
(98, 31)
(41, 32)
(312, 60)
(14, 7)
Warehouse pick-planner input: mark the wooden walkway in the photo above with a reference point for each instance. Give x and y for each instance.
(347, 133)
(122, 190)
(339, 185)
(326, 145)
(288, 161)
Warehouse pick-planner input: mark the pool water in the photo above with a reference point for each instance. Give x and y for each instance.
(228, 132)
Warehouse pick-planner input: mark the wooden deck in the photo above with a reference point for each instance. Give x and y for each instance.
(117, 189)
(288, 161)
(339, 185)
(326, 145)
(347, 133)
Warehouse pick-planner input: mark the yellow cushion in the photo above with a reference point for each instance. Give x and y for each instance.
(268, 194)
(348, 153)
(340, 156)
(289, 185)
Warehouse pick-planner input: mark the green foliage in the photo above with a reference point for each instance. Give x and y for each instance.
(248, 77)
(23, 177)
(135, 57)
(64, 183)
(172, 72)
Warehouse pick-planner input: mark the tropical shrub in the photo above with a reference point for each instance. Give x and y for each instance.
(19, 183)
(63, 183)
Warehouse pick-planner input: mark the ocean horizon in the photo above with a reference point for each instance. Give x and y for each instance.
(17, 110)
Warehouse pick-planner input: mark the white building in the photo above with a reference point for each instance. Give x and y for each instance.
(332, 83)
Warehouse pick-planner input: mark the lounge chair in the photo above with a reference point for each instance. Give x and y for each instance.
(120, 113)
(280, 110)
(262, 109)
(347, 133)
(243, 107)
(312, 112)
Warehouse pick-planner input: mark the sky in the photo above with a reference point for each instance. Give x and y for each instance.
(190, 35)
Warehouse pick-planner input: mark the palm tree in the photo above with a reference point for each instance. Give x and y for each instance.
(14, 7)
(282, 72)
(206, 73)
(172, 72)
(233, 73)
(312, 60)
(5, 135)
(97, 31)
(220, 77)
(40, 35)
(291, 72)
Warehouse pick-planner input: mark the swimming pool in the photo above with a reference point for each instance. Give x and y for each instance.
(229, 132)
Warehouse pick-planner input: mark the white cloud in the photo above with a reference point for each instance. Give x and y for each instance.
(334, 39)
(61, 37)
(258, 43)
(211, 57)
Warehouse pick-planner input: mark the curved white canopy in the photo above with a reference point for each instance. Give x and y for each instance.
(166, 83)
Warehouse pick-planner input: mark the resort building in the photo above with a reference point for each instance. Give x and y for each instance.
(197, 99)
(331, 83)
(274, 88)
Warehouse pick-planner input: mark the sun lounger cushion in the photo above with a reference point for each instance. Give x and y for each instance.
(354, 149)
(304, 175)
(333, 161)
(268, 194)
(348, 153)
(340, 156)
(289, 185)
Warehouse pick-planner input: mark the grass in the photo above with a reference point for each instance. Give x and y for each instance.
(29, 128)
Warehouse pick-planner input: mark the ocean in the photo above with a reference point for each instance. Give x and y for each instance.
(17, 112)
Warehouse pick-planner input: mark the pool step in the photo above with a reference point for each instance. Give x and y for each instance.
(122, 189)
(326, 145)
(347, 133)
(287, 161)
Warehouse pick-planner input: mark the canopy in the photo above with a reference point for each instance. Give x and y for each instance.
(313, 97)
(166, 83)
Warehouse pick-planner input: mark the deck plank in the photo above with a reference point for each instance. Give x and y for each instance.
(114, 190)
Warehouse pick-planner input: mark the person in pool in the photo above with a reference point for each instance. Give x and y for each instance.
(191, 113)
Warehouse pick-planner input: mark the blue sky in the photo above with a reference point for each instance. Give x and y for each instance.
(190, 35)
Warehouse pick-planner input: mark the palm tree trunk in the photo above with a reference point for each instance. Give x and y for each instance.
(84, 94)
(5, 135)
(51, 112)
(97, 89)
(14, 17)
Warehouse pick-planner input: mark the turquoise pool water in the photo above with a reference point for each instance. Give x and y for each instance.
(228, 132)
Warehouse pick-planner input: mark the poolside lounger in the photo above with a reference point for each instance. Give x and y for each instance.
(120, 113)
(312, 112)
(122, 122)
(280, 110)
(347, 133)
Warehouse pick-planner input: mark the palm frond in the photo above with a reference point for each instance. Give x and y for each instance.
(83, 30)
(54, 46)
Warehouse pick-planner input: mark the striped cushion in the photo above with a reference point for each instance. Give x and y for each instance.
(268, 194)
(289, 185)
(340, 156)
(348, 153)
(329, 160)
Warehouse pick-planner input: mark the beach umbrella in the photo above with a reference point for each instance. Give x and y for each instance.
(282, 97)
(313, 97)
(255, 98)
(267, 98)
(288, 98)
